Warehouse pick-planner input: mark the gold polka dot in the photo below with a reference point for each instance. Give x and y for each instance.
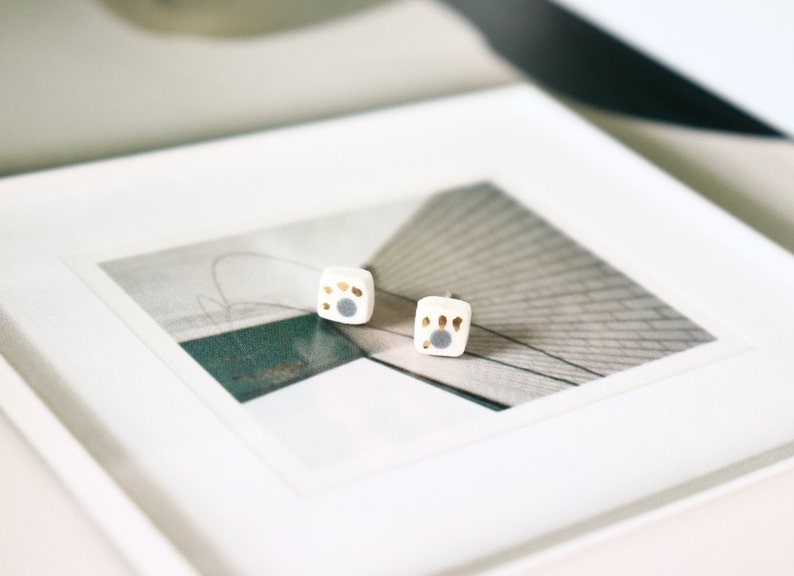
(356, 291)
(456, 323)
(343, 286)
(327, 289)
(425, 322)
(442, 321)
(326, 305)
(426, 344)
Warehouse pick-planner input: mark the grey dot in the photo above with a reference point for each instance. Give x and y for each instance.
(440, 339)
(346, 307)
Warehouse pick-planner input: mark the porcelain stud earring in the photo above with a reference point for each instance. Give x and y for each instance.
(441, 326)
(346, 295)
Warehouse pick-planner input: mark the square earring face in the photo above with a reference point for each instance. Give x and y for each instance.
(346, 295)
(442, 325)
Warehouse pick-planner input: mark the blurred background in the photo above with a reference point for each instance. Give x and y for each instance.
(93, 79)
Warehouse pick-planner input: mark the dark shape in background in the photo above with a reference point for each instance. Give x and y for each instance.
(575, 58)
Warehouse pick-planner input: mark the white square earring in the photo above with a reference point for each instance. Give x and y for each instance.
(346, 295)
(441, 326)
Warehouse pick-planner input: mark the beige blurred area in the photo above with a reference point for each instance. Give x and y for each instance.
(82, 80)
(232, 17)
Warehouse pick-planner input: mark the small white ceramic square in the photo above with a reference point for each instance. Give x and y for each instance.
(442, 325)
(346, 295)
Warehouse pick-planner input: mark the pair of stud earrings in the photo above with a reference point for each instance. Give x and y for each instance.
(441, 325)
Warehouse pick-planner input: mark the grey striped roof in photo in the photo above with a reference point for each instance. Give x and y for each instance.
(548, 314)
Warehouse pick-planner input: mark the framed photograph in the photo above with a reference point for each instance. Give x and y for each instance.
(630, 344)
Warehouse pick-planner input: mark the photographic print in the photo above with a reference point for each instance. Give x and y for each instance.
(548, 314)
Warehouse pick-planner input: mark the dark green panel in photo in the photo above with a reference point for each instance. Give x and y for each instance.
(251, 362)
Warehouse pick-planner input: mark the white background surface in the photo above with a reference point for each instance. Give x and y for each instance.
(43, 529)
(74, 521)
(743, 529)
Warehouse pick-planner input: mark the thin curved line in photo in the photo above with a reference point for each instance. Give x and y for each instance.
(226, 306)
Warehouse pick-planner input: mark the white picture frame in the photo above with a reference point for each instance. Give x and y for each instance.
(233, 500)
